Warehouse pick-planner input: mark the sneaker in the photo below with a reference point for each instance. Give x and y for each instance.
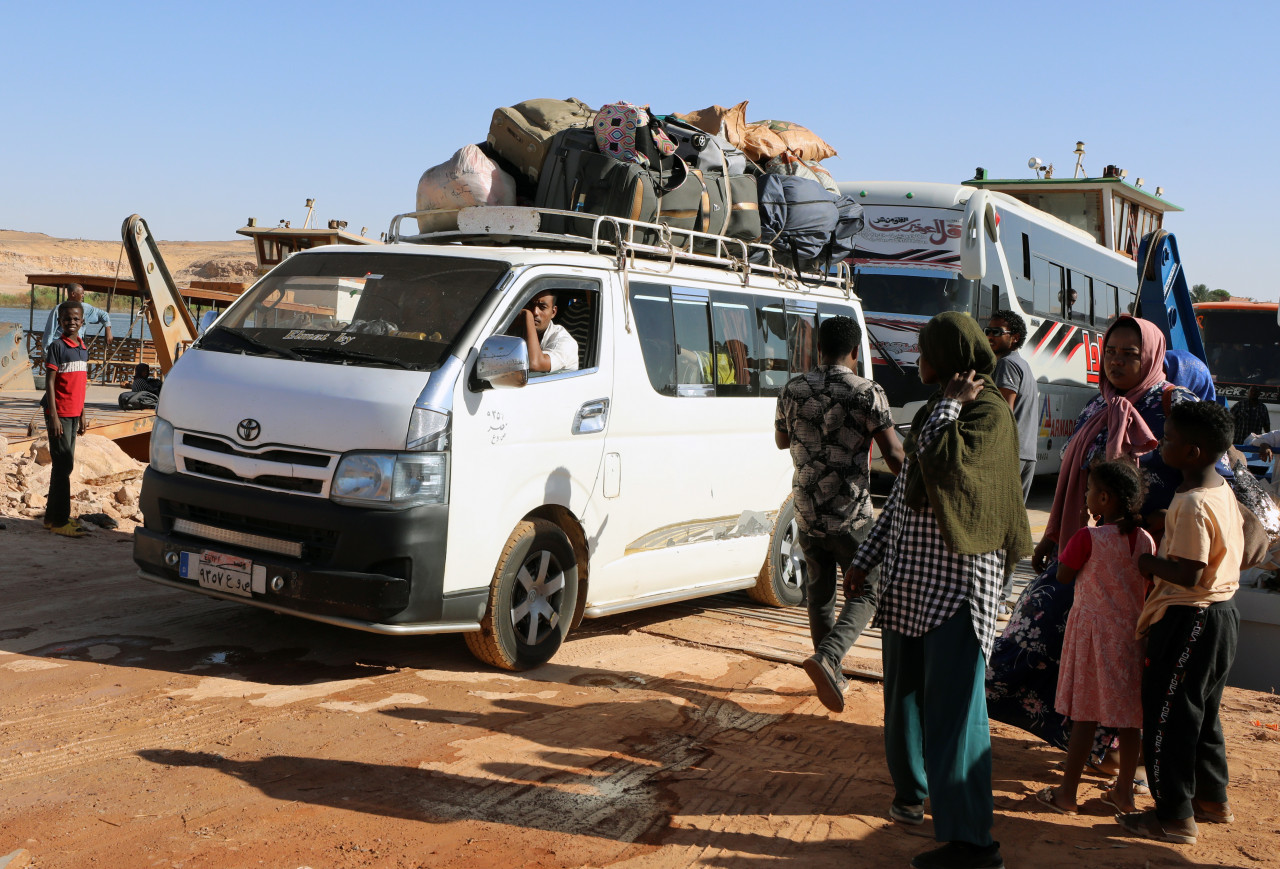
(71, 529)
(829, 682)
(1004, 609)
(906, 813)
(960, 855)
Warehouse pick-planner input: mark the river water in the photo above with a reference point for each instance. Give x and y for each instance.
(119, 322)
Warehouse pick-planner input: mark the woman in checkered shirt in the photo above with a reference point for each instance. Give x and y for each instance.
(954, 520)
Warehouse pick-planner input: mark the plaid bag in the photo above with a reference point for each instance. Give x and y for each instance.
(629, 133)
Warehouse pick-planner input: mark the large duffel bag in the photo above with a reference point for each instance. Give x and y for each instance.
(807, 226)
(702, 150)
(731, 207)
(521, 133)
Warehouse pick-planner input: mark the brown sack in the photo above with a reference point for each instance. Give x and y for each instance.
(801, 141)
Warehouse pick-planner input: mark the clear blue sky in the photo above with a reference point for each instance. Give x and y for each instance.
(197, 116)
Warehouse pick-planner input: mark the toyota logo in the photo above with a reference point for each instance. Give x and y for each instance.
(249, 429)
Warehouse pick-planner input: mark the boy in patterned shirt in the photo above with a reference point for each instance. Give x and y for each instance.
(828, 418)
(66, 376)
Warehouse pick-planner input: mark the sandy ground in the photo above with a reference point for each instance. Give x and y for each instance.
(143, 726)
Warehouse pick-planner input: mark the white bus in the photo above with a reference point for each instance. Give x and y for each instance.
(1061, 278)
(366, 464)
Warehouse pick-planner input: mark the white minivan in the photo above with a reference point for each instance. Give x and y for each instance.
(359, 441)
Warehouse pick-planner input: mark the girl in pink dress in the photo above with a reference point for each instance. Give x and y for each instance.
(1101, 677)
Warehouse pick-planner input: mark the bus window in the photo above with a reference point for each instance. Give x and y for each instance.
(736, 367)
(1104, 305)
(694, 369)
(1078, 302)
(914, 294)
(651, 306)
(1128, 300)
(1047, 281)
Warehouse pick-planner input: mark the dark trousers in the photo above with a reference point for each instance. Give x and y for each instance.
(1189, 654)
(62, 452)
(937, 737)
(826, 558)
(1028, 474)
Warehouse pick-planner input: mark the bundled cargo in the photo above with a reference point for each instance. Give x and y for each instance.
(467, 178)
(808, 227)
(760, 140)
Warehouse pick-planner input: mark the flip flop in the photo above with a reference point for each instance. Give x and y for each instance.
(1108, 799)
(1045, 797)
(1147, 825)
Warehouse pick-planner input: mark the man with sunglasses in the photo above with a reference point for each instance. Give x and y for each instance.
(1006, 332)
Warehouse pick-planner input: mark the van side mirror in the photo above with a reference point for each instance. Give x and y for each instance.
(503, 362)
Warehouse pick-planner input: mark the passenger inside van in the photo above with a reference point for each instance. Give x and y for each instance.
(551, 347)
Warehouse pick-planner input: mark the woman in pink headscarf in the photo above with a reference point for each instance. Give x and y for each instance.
(1125, 420)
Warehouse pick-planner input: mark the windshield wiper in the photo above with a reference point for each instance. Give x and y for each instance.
(246, 338)
(354, 355)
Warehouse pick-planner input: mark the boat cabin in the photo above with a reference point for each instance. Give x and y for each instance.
(1116, 213)
(272, 244)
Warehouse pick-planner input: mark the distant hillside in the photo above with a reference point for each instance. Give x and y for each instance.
(24, 253)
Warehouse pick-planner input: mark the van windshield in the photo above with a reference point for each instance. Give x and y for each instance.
(363, 308)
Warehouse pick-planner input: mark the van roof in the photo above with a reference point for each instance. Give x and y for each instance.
(515, 234)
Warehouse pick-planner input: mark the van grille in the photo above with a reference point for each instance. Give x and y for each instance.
(275, 467)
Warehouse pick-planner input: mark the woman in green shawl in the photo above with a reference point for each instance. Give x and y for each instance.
(954, 519)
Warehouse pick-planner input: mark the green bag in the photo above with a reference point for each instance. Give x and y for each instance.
(520, 134)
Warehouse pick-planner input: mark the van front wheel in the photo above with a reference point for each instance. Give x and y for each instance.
(531, 599)
(781, 580)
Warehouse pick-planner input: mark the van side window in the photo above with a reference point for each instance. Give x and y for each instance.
(802, 336)
(651, 307)
(577, 312)
(771, 326)
(1128, 301)
(695, 369)
(1039, 303)
(737, 368)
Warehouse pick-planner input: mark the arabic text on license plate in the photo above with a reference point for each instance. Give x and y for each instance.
(227, 573)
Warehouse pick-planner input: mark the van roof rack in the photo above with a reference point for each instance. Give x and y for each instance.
(617, 236)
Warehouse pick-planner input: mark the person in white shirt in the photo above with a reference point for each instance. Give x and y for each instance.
(551, 347)
(92, 317)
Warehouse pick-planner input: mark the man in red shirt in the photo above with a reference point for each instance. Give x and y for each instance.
(66, 376)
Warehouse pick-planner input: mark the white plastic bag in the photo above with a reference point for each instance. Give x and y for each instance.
(465, 179)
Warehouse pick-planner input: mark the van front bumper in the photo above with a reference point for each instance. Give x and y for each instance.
(374, 570)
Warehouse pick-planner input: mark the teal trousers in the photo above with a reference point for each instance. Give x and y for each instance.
(937, 739)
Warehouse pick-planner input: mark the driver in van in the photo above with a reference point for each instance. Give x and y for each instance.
(551, 347)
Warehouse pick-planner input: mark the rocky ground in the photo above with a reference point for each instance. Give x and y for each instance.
(104, 483)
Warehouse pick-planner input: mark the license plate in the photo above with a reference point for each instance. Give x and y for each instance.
(221, 572)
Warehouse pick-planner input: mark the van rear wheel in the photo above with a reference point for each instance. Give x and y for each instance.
(531, 599)
(781, 580)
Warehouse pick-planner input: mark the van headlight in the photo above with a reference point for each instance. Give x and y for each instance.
(161, 456)
(391, 480)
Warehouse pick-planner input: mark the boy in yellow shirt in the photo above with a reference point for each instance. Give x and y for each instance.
(1191, 625)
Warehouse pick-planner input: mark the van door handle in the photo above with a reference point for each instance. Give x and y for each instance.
(591, 417)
